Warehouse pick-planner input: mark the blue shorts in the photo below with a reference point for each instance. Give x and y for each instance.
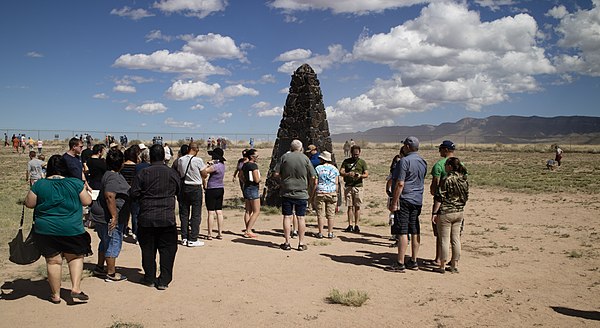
(290, 206)
(251, 192)
(110, 242)
(408, 217)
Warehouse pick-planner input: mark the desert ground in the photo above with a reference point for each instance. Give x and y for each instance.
(531, 257)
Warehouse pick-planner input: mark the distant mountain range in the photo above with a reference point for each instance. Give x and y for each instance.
(493, 129)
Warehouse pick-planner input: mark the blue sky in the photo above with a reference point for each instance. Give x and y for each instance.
(222, 67)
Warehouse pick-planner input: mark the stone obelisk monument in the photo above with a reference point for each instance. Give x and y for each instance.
(304, 118)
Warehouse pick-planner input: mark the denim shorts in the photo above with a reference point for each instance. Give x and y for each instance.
(251, 192)
(110, 241)
(290, 206)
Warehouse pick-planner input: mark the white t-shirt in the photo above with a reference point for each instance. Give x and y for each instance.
(193, 176)
(168, 154)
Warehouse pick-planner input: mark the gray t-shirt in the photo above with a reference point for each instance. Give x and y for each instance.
(295, 169)
(412, 170)
(116, 183)
(34, 167)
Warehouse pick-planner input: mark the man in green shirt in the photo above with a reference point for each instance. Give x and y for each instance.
(354, 170)
(438, 171)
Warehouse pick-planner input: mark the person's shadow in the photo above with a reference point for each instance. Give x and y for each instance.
(20, 288)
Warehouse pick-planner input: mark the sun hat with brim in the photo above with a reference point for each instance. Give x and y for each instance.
(217, 153)
(326, 156)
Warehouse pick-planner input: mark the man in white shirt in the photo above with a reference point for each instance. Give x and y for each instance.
(189, 168)
(168, 153)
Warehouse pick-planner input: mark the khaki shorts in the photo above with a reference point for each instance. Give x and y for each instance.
(353, 196)
(326, 203)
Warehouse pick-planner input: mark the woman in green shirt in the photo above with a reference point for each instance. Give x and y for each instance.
(59, 231)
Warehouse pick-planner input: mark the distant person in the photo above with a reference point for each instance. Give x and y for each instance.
(313, 155)
(34, 169)
(189, 168)
(31, 143)
(214, 174)
(354, 170)
(296, 175)
(168, 153)
(23, 143)
(325, 193)
(389, 190)
(352, 143)
(40, 145)
(448, 212)
(251, 142)
(5, 139)
(15, 143)
(407, 201)
(58, 202)
(155, 188)
(251, 179)
(96, 167)
(551, 165)
(558, 154)
(438, 172)
(347, 149)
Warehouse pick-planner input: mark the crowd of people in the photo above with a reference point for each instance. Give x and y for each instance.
(133, 192)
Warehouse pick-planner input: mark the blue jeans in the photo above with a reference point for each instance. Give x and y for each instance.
(191, 196)
(135, 211)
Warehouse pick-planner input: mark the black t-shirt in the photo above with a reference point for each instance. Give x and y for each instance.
(96, 169)
(85, 155)
(247, 170)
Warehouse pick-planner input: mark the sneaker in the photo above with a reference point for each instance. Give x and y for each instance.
(319, 236)
(349, 229)
(412, 265)
(294, 234)
(161, 287)
(330, 235)
(195, 243)
(356, 229)
(115, 277)
(438, 270)
(184, 242)
(396, 267)
(285, 246)
(302, 247)
(452, 270)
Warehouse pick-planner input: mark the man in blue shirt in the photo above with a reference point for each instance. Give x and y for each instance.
(407, 200)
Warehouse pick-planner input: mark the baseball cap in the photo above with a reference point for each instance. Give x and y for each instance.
(412, 142)
(448, 145)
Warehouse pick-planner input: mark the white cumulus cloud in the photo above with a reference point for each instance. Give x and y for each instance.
(196, 8)
(275, 111)
(157, 35)
(238, 90)
(318, 62)
(181, 90)
(124, 88)
(34, 54)
(184, 63)
(212, 46)
(100, 96)
(579, 32)
(197, 107)
(296, 54)
(447, 55)
(148, 108)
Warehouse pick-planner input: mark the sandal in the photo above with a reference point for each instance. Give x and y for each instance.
(208, 237)
(250, 235)
(81, 296)
(219, 237)
(302, 247)
(285, 246)
(53, 301)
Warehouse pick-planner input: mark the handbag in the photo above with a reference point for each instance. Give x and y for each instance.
(23, 252)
